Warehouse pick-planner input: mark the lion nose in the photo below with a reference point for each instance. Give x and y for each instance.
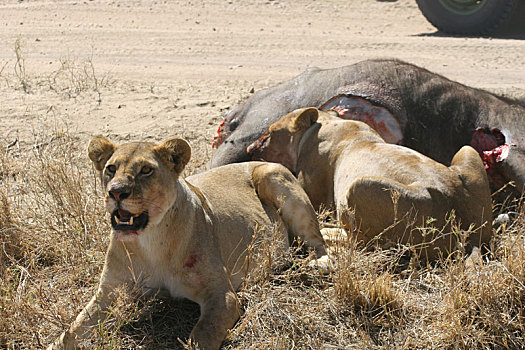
(119, 191)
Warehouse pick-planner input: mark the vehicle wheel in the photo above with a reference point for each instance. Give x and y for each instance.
(466, 16)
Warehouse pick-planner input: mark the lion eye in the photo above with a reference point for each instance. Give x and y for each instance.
(146, 170)
(110, 169)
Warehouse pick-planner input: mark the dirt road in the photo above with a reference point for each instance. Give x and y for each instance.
(154, 69)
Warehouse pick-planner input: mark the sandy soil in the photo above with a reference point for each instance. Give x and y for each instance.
(147, 69)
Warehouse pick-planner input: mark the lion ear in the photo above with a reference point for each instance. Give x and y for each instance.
(100, 150)
(175, 152)
(305, 118)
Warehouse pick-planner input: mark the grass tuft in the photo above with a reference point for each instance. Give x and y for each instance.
(73, 77)
(20, 68)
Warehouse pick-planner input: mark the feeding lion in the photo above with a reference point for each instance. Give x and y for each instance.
(393, 190)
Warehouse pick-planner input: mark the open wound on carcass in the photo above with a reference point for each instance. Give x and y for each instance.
(357, 108)
(491, 146)
(218, 139)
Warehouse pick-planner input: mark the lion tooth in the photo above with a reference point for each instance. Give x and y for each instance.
(131, 220)
(117, 220)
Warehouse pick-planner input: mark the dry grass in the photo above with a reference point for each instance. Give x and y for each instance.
(76, 76)
(73, 77)
(53, 234)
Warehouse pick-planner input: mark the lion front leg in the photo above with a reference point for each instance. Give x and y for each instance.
(93, 313)
(278, 187)
(218, 314)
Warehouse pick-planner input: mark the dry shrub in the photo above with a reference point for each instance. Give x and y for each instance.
(76, 76)
(364, 281)
(73, 77)
(52, 234)
(20, 67)
(60, 192)
(9, 237)
(289, 304)
(484, 305)
(472, 304)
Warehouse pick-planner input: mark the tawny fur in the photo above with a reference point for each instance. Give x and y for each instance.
(391, 190)
(195, 243)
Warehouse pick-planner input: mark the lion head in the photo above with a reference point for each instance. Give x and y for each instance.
(139, 179)
(279, 143)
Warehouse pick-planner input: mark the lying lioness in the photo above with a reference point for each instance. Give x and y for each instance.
(392, 190)
(189, 237)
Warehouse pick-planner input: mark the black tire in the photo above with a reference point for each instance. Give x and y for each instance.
(468, 18)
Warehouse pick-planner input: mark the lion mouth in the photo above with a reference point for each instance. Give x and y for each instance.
(123, 220)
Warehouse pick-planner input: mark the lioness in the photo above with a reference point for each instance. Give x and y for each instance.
(393, 189)
(187, 236)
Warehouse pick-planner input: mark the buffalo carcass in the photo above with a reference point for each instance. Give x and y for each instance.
(406, 104)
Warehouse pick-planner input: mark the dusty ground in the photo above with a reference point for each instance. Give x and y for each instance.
(164, 68)
(139, 70)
